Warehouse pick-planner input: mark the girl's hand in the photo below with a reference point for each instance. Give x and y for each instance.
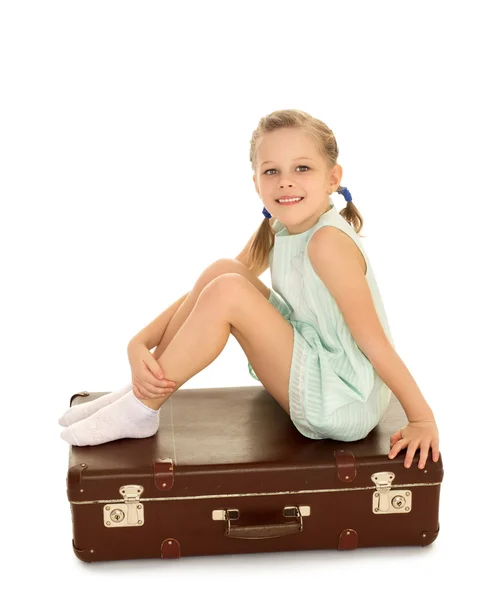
(147, 376)
(422, 433)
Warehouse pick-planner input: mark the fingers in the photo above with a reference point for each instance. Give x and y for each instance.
(410, 453)
(136, 391)
(435, 450)
(157, 389)
(397, 447)
(412, 446)
(394, 439)
(148, 392)
(161, 383)
(163, 386)
(166, 383)
(153, 383)
(425, 444)
(149, 395)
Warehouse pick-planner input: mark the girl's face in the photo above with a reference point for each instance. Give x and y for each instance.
(289, 164)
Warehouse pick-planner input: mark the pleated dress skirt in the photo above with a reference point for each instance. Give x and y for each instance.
(322, 404)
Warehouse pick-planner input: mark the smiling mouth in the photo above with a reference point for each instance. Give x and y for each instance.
(288, 203)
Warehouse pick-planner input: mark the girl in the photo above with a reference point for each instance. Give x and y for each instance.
(319, 340)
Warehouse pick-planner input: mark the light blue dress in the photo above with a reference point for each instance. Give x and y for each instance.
(334, 391)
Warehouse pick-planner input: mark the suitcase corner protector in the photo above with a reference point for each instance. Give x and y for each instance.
(85, 554)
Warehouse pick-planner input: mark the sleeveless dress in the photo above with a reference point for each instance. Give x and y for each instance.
(334, 391)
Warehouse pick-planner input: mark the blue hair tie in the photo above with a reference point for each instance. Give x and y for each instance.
(343, 191)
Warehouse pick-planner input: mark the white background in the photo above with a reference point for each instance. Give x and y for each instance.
(124, 141)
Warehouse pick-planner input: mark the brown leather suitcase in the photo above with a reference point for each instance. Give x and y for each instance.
(228, 473)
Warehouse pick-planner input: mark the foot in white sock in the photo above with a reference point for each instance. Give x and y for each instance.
(81, 411)
(127, 417)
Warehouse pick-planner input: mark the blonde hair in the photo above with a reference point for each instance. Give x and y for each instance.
(263, 238)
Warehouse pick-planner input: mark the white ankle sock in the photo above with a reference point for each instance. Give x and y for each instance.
(127, 417)
(81, 411)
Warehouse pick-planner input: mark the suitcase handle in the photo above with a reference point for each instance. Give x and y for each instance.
(259, 532)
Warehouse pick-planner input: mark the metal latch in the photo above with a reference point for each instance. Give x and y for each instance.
(127, 514)
(386, 501)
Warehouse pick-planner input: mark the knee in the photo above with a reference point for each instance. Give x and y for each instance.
(221, 266)
(225, 265)
(224, 289)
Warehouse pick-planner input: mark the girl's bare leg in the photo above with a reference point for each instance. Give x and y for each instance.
(224, 265)
(199, 341)
(197, 344)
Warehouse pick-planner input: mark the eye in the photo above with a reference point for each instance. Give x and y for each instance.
(298, 167)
